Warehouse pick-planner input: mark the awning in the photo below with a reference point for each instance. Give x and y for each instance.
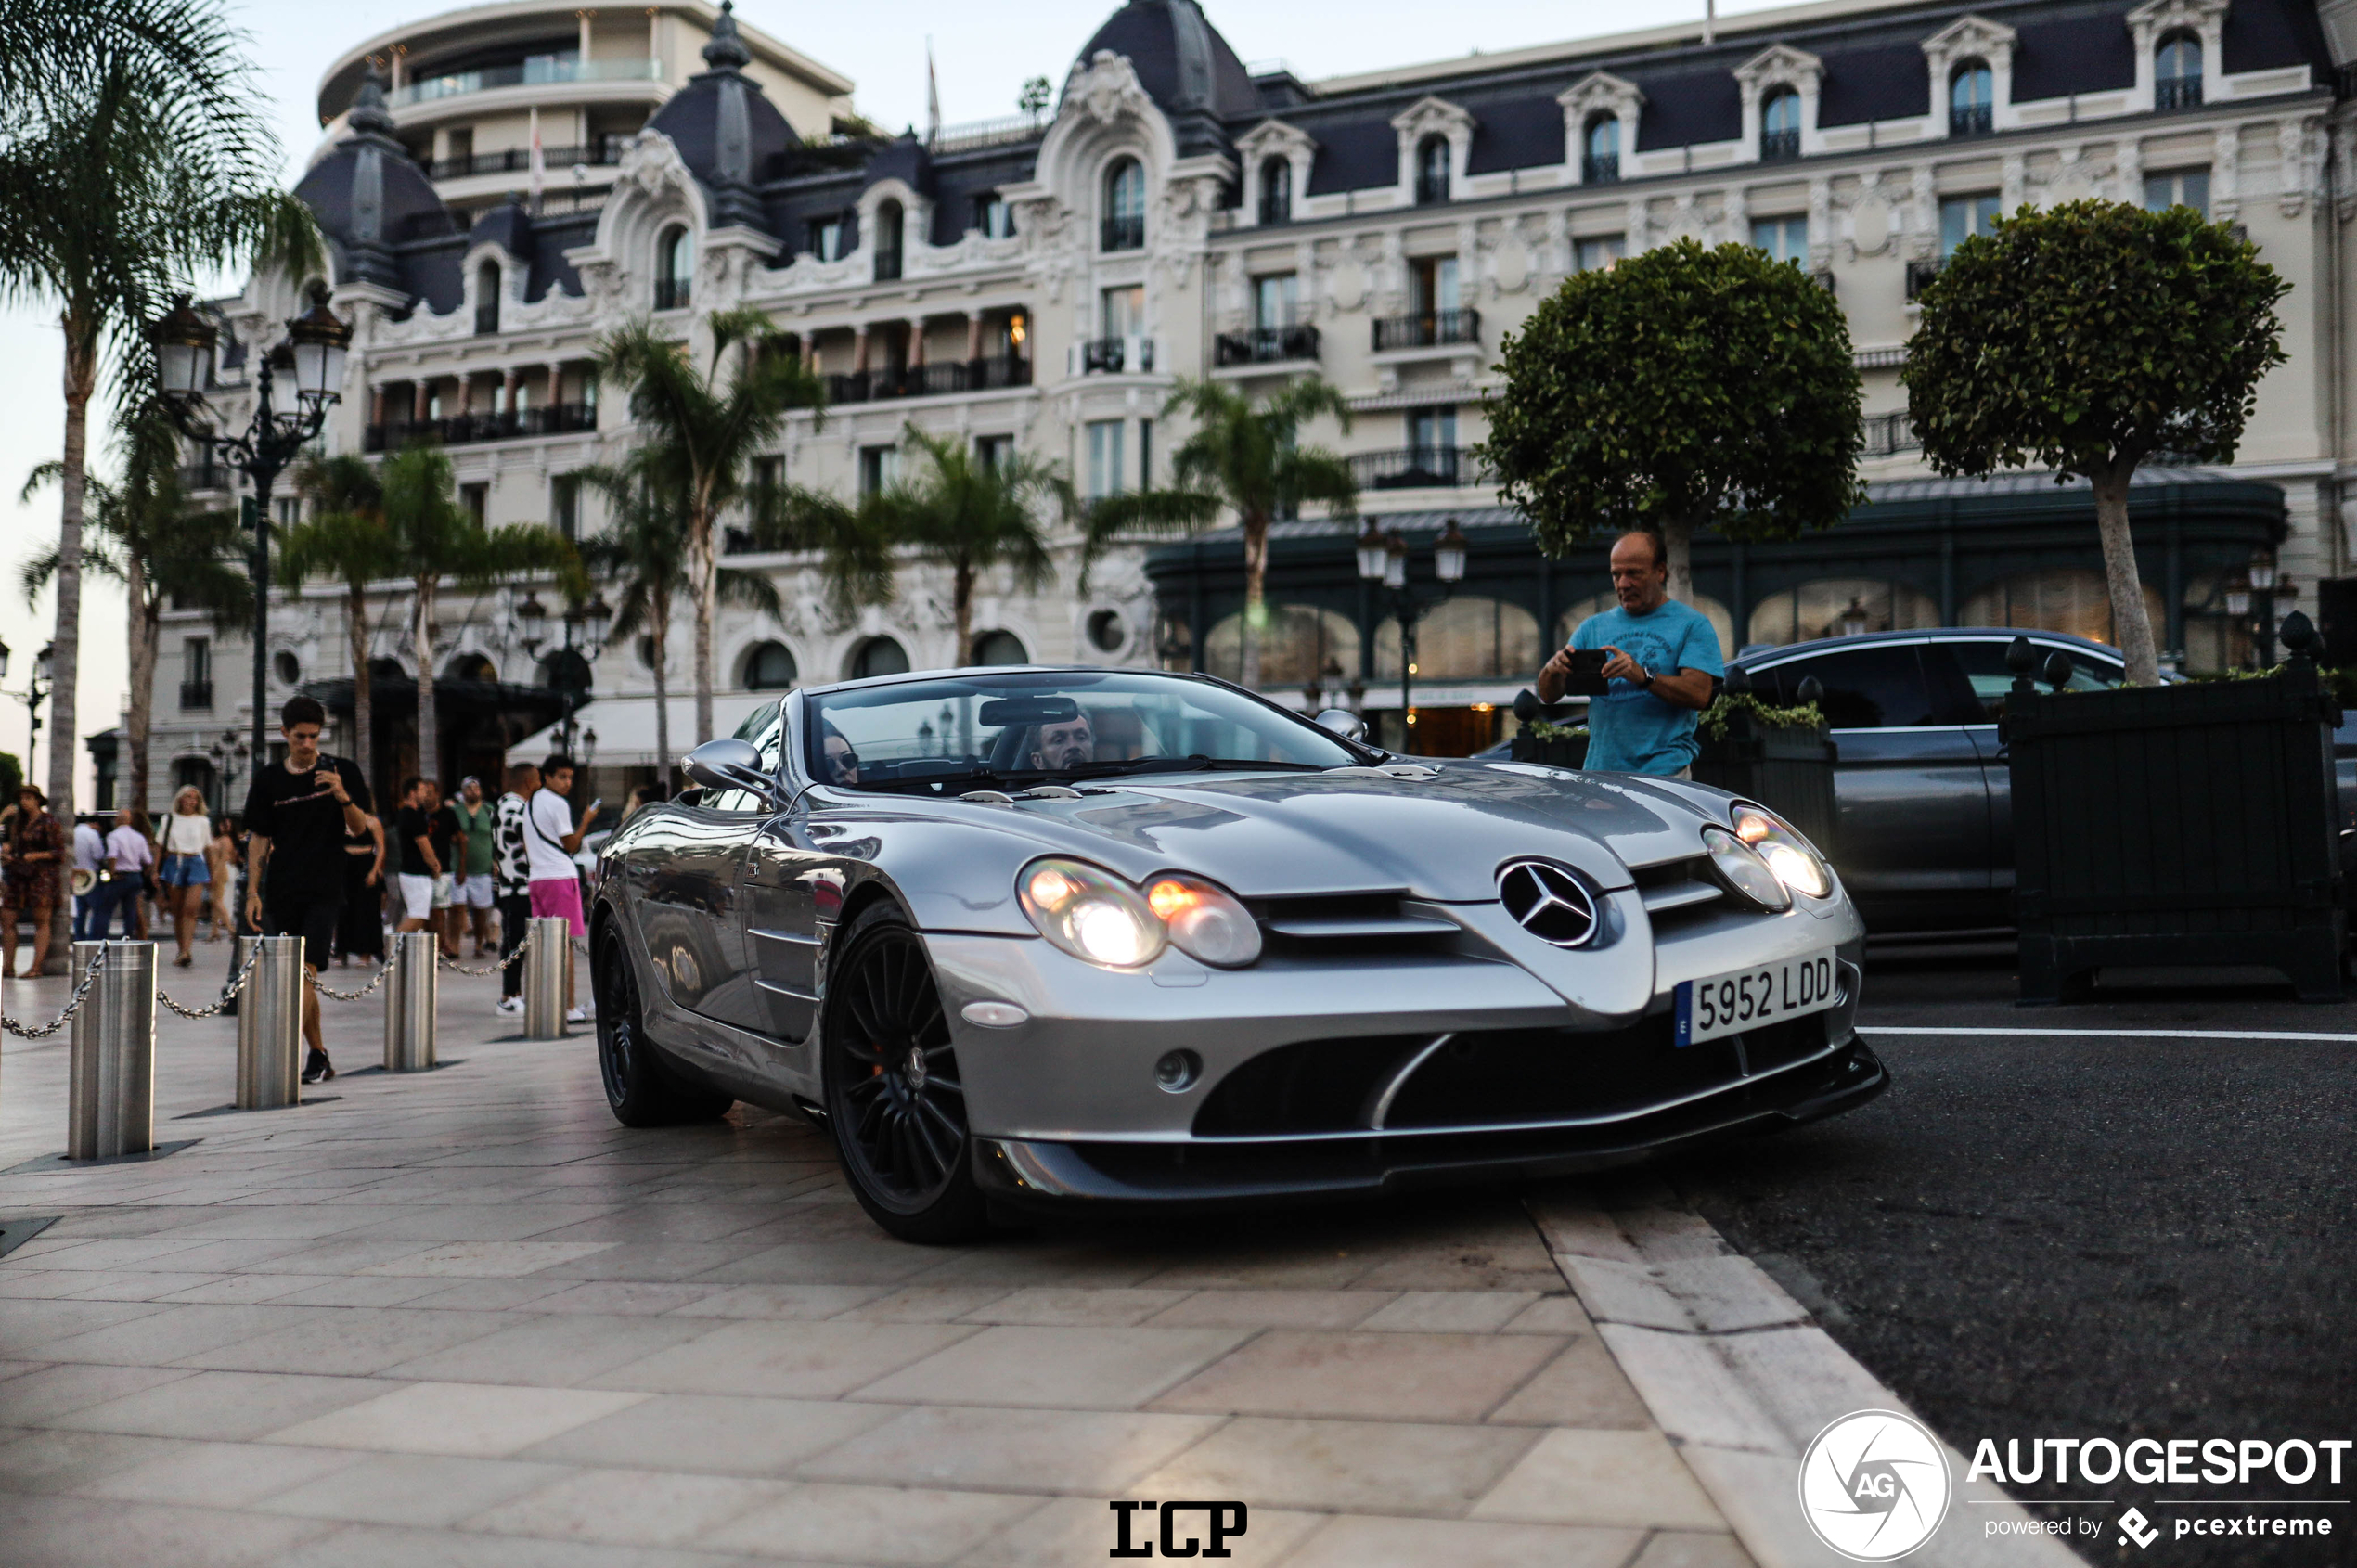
(626, 728)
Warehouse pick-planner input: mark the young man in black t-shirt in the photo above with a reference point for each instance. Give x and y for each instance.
(296, 815)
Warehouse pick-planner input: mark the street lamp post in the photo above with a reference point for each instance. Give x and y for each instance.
(2262, 593)
(313, 355)
(229, 755)
(36, 692)
(589, 625)
(1383, 558)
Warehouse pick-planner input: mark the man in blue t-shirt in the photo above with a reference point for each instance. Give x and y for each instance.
(1663, 671)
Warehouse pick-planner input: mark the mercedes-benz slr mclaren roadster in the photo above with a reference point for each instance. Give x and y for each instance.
(1024, 937)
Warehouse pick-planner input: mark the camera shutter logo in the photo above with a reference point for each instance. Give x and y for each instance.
(1874, 1485)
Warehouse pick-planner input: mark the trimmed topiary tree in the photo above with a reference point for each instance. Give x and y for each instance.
(2088, 337)
(1682, 388)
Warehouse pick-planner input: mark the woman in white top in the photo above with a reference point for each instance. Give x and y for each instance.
(188, 834)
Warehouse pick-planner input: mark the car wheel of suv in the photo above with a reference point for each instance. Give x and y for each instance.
(642, 1089)
(893, 1095)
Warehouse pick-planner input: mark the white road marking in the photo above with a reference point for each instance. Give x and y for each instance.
(2113, 1034)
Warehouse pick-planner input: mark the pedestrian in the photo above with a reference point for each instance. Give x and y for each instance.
(220, 860)
(444, 829)
(478, 828)
(551, 839)
(421, 862)
(35, 849)
(511, 881)
(149, 891)
(187, 833)
(361, 932)
(644, 795)
(122, 877)
(297, 815)
(89, 860)
(1664, 668)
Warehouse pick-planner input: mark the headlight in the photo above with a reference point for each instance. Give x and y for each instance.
(1089, 914)
(1744, 869)
(1204, 922)
(1792, 858)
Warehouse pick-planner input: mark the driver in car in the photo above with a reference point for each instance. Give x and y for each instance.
(842, 763)
(1066, 745)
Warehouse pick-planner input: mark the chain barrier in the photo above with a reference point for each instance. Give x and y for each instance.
(376, 979)
(89, 977)
(236, 983)
(509, 962)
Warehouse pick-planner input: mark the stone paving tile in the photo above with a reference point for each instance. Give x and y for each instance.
(558, 1351)
(1059, 1369)
(47, 1532)
(1078, 1530)
(354, 1290)
(626, 1297)
(491, 1260)
(671, 1223)
(630, 1506)
(474, 1222)
(1387, 1467)
(236, 1406)
(1692, 1548)
(425, 1489)
(1271, 1309)
(243, 1290)
(1048, 1306)
(1420, 1543)
(880, 1525)
(798, 1303)
(130, 1285)
(647, 1261)
(1397, 1377)
(863, 1262)
(927, 1304)
(790, 1360)
(1464, 1312)
(489, 1296)
(157, 1336)
(220, 1475)
(476, 1420)
(1583, 1387)
(1094, 1453)
(357, 1340)
(46, 1392)
(719, 1433)
(381, 1546)
(1572, 1477)
(1560, 1314)
(42, 1461)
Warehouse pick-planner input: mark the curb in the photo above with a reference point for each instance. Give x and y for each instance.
(1740, 1378)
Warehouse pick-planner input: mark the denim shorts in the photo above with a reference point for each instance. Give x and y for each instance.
(185, 870)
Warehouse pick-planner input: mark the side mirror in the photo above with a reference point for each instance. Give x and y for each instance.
(731, 764)
(1344, 722)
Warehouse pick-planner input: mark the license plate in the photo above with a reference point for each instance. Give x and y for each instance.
(1769, 993)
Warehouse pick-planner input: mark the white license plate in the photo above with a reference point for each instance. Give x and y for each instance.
(1767, 992)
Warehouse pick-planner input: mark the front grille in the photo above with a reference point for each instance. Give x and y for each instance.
(1365, 922)
(1677, 892)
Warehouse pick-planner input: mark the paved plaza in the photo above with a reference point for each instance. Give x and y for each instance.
(463, 1317)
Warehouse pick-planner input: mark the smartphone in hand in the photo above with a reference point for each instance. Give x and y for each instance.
(1587, 678)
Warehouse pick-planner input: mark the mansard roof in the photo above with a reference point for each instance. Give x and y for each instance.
(1185, 65)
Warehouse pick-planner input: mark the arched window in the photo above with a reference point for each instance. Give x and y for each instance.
(2177, 72)
(1125, 221)
(1600, 155)
(487, 298)
(1276, 190)
(471, 667)
(1779, 125)
(1298, 642)
(888, 223)
(1000, 648)
(1465, 638)
(878, 656)
(1432, 171)
(1832, 607)
(675, 265)
(2073, 600)
(1972, 95)
(770, 666)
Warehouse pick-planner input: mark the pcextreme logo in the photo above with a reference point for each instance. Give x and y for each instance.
(1874, 1485)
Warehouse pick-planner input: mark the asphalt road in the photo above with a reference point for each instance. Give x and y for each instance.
(2089, 1237)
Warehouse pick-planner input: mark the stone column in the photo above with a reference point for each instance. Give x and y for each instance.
(556, 383)
(513, 379)
(583, 18)
(916, 343)
(377, 405)
(419, 392)
(974, 334)
(860, 348)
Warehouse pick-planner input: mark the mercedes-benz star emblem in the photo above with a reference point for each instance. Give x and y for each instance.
(1547, 901)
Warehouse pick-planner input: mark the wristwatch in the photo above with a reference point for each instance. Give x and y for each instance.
(1644, 678)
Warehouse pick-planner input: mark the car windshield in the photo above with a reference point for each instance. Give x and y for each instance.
(1030, 727)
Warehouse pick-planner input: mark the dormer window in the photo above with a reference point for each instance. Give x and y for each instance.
(1779, 125)
(1125, 219)
(2177, 72)
(1432, 171)
(826, 238)
(674, 266)
(1276, 190)
(487, 298)
(1600, 151)
(994, 217)
(1972, 97)
(888, 223)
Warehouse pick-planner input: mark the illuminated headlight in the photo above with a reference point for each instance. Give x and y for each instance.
(1792, 858)
(1204, 922)
(1090, 914)
(1745, 870)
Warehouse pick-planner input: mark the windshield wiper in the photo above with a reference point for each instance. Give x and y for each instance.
(1196, 763)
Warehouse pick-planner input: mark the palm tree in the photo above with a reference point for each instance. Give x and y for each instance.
(700, 432)
(1248, 460)
(144, 535)
(136, 157)
(971, 517)
(644, 547)
(436, 537)
(348, 542)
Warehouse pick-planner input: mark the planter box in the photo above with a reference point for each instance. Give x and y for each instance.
(1554, 754)
(1789, 771)
(2176, 824)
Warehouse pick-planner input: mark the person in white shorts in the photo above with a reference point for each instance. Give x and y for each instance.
(420, 867)
(471, 863)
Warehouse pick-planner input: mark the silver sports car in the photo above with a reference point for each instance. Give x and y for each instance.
(1024, 936)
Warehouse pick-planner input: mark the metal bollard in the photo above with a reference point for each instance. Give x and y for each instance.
(270, 1025)
(544, 978)
(410, 1004)
(112, 1097)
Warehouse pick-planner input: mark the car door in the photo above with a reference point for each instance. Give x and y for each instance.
(1981, 662)
(733, 821)
(1911, 836)
(787, 883)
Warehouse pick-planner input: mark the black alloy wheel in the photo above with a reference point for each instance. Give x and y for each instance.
(642, 1089)
(893, 1095)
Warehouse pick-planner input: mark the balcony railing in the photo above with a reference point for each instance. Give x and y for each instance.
(1431, 329)
(1265, 346)
(888, 267)
(604, 153)
(1600, 169)
(195, 697)
(1416, 467)
(1970, 120)
(1432, 191)
(207, 475)
(1111, 357)
(941, 378)
(466, 429)
(1920, 275)
(543, 70)
(1888, 434)
(1779, 147)
(1123, 233)
(1275, 210)
(486, 318)
(671, 293)
(2177, 92)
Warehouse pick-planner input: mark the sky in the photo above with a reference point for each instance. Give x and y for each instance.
(983, 54)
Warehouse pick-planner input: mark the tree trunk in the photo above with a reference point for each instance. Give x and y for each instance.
(703, 576)
(2131, 628)
(1678, 543)
(364, 706)
(421, 632)
(146, 632)
(659, 633)
(65, 646)
(1255, 606)
(961, 596)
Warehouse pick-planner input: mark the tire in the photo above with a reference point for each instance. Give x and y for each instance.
(894, 1101)
(642, 1089)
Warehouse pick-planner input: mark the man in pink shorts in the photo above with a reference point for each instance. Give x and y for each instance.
(550, 841)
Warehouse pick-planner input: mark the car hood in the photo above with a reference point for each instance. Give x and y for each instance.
(1440, 835)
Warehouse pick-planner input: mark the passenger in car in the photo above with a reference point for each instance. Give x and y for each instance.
(1072, 744)
(842, 763)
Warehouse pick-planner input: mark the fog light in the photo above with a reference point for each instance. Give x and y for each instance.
(1177, 1072)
